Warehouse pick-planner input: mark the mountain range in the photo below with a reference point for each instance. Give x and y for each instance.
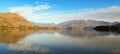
(85, 24)
(16, 20)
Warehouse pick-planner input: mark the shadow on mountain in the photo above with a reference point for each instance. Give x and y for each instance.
(13, 36)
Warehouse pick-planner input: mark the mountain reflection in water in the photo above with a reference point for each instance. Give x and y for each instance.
(13, 36)
(87, 33)
(77, 41)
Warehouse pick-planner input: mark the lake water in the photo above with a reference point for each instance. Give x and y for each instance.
(59, 42)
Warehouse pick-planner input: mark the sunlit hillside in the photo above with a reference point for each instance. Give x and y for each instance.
(13, 20)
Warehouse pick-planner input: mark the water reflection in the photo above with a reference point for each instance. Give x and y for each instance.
(108, 41)
(77, 41)
(27, 47)
(11, 42)
(87, 33)
(13, 36)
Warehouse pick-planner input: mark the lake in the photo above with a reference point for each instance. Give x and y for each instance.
(77, 41)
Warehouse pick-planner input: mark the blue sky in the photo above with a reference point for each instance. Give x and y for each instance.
(56, 11)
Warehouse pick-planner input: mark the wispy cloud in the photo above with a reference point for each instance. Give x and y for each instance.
(27, 9)
(107, 14)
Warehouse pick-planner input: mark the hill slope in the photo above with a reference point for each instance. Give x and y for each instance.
(13, 20)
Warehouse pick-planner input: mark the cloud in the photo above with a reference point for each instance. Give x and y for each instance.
(27, 9)
(107, 14)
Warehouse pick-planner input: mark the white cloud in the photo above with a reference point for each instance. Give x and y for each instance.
(27, 9)
(107, 14)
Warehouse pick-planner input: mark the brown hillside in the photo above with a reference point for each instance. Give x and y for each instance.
(13, 20)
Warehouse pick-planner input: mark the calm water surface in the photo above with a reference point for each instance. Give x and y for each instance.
(59, 42)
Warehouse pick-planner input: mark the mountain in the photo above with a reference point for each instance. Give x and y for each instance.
(115, 23)
(83, 24)
(13, 20)
(118, 24)
(44, 24)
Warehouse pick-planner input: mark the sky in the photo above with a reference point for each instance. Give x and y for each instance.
(57, 11)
